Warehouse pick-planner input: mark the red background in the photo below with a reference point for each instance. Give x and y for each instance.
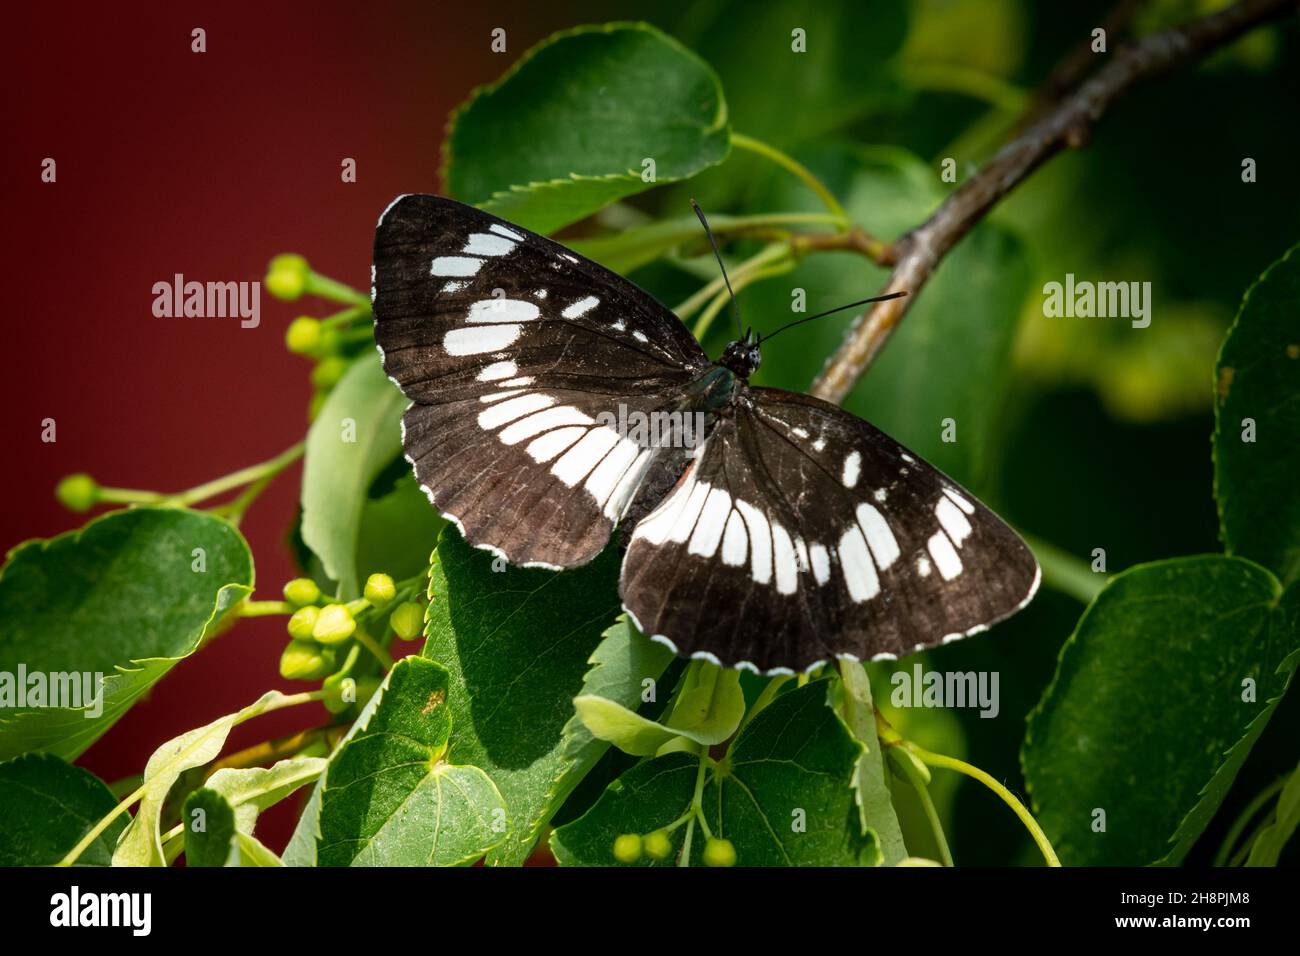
(204, 164)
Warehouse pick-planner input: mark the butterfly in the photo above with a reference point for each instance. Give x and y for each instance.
(773, 531)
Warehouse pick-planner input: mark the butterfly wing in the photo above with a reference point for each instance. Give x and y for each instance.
(510, 347)
(801, 533)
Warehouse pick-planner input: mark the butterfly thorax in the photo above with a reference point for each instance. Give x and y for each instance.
(742, 356)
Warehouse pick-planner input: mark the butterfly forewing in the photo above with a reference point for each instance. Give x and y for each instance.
(801, 533)
(510, 347)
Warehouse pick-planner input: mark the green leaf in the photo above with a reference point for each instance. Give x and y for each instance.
(1258, 373)
(355, 436)
(253, 854)
(517, 643)
(115, 604)
(1159, 695)
(707, 709)
(783, 795)
(565, 131)
(621, 665)
(646, 798)
(1273, 838)
(625, 729)
(251, 790)
(874, 802)
(792, 766)
(842, 73)
(709, 703)
(950, 358)
(48, 806)
(141, 842)
(391, 798)
(398, 530)
(209, 827)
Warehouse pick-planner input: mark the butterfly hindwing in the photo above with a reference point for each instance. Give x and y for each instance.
(801, 533)
(510, 347)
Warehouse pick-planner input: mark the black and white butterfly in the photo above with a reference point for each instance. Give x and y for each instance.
(792, 534)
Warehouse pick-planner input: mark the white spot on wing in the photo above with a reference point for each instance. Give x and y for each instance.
(553, 442)
(945, 558)
(497, 370)
(581, 307)
(576, 463)
(479, 339)
(513, 408)
(821, 563)
(502, 310)
(735, 542)
(537, 423)
(709, 528)
(952, 520)
(508, 233)
(486, 244)
(761, 537)
(884, 548)
(961, 502)
(455, 266)
(856, 565)
(783, 559)
(852, 468)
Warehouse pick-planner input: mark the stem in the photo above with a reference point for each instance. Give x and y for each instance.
(236, 479)
(369, 643)
(952, 763)
(265, 608)
(764, 258)
(345, 317)
(128, 496)
(931, 814)
(249, 712)
(335, 291)
(1067, 124)
(1066, 573)
(792, 165)
(720, 300)
(272, 751)
(1243, 820)
(696, 813)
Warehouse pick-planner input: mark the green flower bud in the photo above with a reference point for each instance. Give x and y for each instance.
(627, 848)
(328, 371)
(286, 276)
(407, 620)
(380, 590)
(657, 845)
(334, 625)
(303, 335)
(305, 660)
(77, 492)
(303, 622)
(719, 852)
(302, 591)
(338, 688)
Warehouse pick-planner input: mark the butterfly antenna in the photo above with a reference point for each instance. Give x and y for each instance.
(851, 305)
(735, 309)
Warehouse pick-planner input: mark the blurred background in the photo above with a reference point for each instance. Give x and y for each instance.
(1094, 434)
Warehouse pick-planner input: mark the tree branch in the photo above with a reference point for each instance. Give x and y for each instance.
(1068, 124)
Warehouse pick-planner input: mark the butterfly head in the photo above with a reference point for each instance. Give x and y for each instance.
(742, 356)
